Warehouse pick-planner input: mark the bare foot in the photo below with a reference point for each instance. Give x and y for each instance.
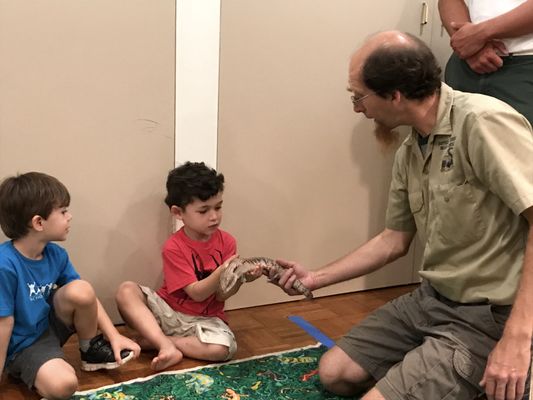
(166, 357)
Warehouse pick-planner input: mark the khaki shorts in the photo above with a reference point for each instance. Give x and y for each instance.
(210, 330)
(424, 346)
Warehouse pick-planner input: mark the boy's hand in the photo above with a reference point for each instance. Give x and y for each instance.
(226, 263)
(228, 283)
(119, 343)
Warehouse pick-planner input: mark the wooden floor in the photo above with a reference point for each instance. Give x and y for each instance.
(259, 330)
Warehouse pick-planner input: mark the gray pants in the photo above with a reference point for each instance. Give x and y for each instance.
(26, 363)
(512, 83)
(424, 346)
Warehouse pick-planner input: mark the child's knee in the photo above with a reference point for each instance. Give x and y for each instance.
(219, 352)
(62, 388)
(61, 385)
(79, 292)
(126, 290)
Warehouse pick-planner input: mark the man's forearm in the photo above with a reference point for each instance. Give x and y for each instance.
(517, 22)
(453, 11)
(520, 322)
(371, 256)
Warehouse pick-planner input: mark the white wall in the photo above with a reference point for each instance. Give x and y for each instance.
(197, 64)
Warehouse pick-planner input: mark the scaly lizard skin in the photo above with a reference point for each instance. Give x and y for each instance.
(238, 267)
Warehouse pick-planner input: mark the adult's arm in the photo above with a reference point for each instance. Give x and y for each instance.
(469, 38)
(487, 59)
(507, 366)
(379, 251)
(6, 327)
(454, 11)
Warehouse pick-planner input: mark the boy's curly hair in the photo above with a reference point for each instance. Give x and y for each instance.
(192, 180)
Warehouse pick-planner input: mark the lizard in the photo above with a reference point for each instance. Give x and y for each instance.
(238, 267)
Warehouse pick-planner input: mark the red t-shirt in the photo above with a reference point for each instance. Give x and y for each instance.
(186, 261)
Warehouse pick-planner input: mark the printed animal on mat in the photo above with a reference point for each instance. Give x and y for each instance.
(232, 395)
(199, 382)
(238, 267)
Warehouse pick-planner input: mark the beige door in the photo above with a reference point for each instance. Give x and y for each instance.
(87, 95)
(305, 178)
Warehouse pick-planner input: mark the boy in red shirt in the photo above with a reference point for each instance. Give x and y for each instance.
(186, 315)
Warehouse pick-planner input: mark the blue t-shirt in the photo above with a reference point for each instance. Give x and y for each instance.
(25, 286)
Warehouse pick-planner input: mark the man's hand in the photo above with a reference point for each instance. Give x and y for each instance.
(468, 39)
(506, 371)
(292, 272)
(488, 59)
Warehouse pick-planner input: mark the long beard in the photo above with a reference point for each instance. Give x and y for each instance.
(386, 137)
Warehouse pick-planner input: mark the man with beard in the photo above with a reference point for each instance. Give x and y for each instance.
(463, 181)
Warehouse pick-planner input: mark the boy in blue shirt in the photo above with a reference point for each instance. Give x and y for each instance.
(43, 301)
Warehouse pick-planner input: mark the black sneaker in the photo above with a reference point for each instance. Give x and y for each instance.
(100, 355)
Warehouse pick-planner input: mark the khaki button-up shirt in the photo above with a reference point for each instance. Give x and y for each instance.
(464, 197)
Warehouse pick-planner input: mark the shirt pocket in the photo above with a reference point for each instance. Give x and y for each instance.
(416, 202)
(459, 219)
(416, 205)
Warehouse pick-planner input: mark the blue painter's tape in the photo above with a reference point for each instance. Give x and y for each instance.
(312, 331)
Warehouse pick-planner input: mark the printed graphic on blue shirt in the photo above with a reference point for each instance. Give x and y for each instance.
(37, 292)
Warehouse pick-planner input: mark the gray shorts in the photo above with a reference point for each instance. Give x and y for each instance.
(424, 346)
(174, 323)
(25, 364)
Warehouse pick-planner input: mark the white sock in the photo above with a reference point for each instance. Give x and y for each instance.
(84, 344)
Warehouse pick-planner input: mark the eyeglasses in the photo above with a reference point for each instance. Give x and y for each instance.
(357, 100)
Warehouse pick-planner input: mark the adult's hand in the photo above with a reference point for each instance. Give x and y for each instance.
(292, 272)
(468, 38)
(506, 371)
(488, 59)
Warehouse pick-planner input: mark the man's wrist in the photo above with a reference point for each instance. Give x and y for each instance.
(486, 31)
(517, 330)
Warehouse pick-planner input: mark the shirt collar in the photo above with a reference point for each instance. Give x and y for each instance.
(443, 124)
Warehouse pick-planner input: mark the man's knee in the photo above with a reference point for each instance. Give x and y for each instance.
(329, 371)
(340, 374)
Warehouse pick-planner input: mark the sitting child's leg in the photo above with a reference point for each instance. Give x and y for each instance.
(41, 365)
(76, 306)
(192, 347)
(133, 308)
(203, 338)
(56, 379)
